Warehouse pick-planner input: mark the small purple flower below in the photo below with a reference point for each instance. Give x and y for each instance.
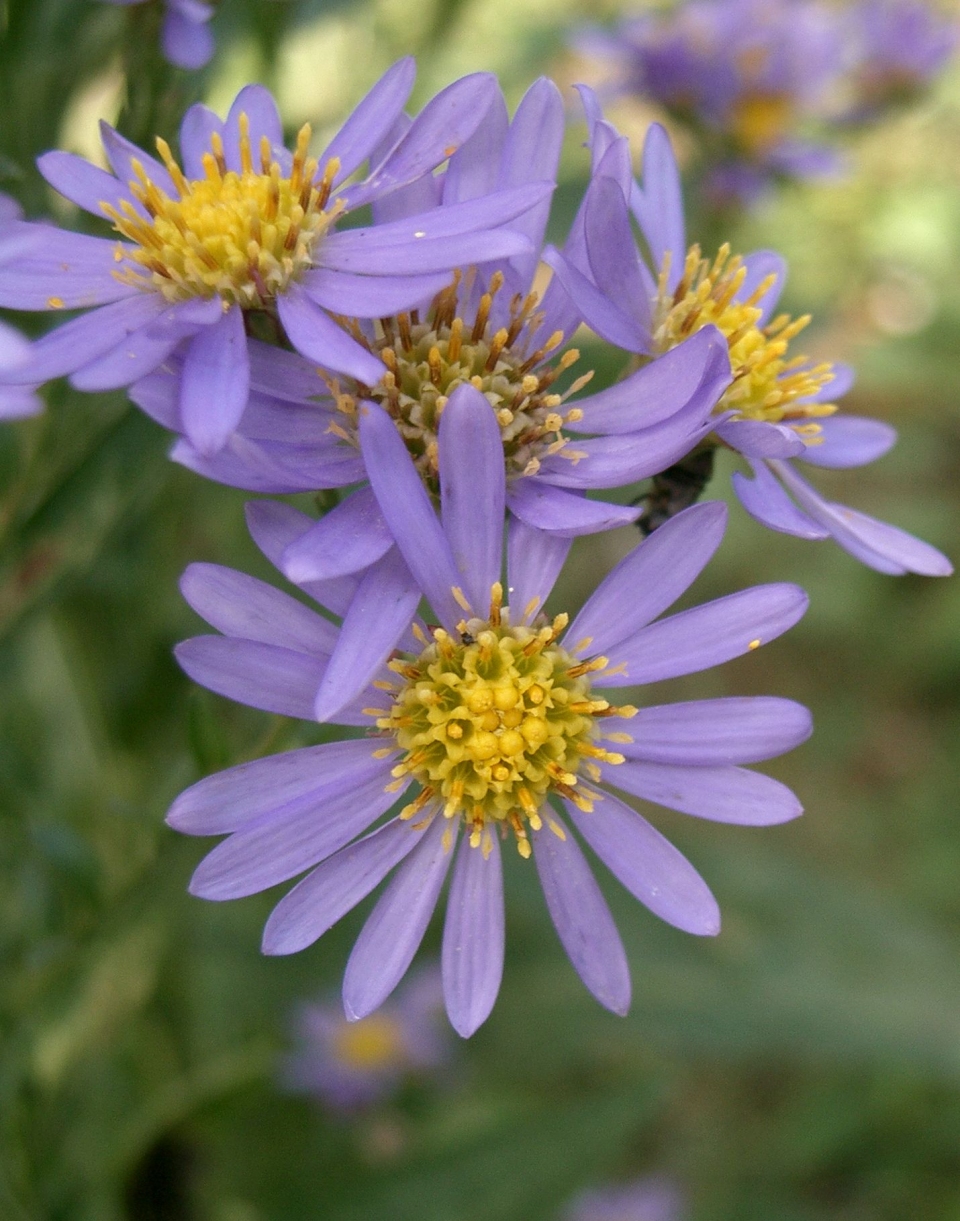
(185, 35)
(349, 1066)
(492, 726)
(649, 1199)
(16, 401)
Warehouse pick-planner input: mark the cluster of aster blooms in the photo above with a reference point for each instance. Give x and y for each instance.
(413, 364)
(753, 78)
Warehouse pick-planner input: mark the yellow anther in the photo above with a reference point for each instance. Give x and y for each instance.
(754, 644)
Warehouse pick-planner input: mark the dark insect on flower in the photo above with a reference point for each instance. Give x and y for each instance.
(675, 489)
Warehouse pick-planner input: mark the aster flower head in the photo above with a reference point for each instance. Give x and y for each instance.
(349, 1066)
(491, 330)
(496, 725)
(649, 1199)
(244, 236)
(900, 46)
(185, 35)
(745, 75)
(779, 404)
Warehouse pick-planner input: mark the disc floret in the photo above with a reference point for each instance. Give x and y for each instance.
(767, 384)
(427, 360)
(494, 722)
(240, 236)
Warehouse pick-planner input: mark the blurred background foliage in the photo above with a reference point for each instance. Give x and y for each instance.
(803, 1066)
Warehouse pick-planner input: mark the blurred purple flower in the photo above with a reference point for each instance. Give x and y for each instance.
(16, 401)
(491, 723)
(185, 36)
(649, 1199)
(351, 1065)
(249, 228)
(745, 74)
(900, 46)
(778, 405)
(489, 329)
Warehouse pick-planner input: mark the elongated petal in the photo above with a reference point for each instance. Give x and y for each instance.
(281, 844)
(471, 459)
(215, 382)
(847, 440)
(659, 205)
(273, 526)
(534, 560)
(611, 250)
(473, 169)
(758, 439)
(650, 578)
(187, 44)
(335, 887)
(263, 119)
(315, 335)
(240, 605)
(265, 467)
(349, 539)
(379, 615)
(122, 156)
(82, 183)
(196, 132)
(409, 513)
(582, 919)
(648, 865)
(360, 251)
(137, 355)
(698, 366)
(722, 794)
(705, 733)
(374, 296)
(371, 119)
(223, 802)
(708, 635)
(764, 498)
(473, 937)
(395, 927)
(261, 675)
(602, 315)
(544, 507)
(760, 265)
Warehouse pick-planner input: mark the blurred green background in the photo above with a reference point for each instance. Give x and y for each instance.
(805, 1065)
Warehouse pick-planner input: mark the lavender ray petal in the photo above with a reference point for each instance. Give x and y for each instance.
(284, 375)
(473, 937)
(315, 335)
(138, 354)
(257, 103)
(395, 927)
(285, 842)
(543, 507)
(196, 132)
(471, 458)
(122, 154)
(226, 801)
(610, 249)
(534, 560)
(850, 441)
(265, 467)
(722, 794)
(82, 183)
(758, 439)
(370, 296)
(335, 887)
(650, 578)
(843, 378)
(436, 133)
(698, 366)
(601, 315)
(659, 205)
(359, 251)
(759, 265)
(81, 340)
(409, 513)
(186, 44)
(582, 919)
(240, 605)
(649, 866)
(349, 539)
(19, 403)
(371, 119)
(473, 168)
(260, 675)
(765, 500)
(707, 635)
(215, 383)
(382, 611)
(273, 526)
(707, 733)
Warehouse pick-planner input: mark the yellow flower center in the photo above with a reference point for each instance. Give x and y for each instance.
(373, 1043)
(767, 384)
(427, 360)
(240, 236)
(758, 121)
(494, 722)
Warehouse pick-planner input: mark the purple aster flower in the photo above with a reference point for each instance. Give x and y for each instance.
(778, 405)
(745, 74)
(492, 724)
(901, 46)
(185, 36)
(244, 237)
(490, 331)
(15, 401)
(650, 1199)
(352, 1065)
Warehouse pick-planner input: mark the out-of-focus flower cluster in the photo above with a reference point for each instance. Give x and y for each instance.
(758, 82)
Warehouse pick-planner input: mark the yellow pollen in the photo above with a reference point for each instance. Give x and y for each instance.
(491, 726)
(766, 385)
(242, 236)
(754, 644)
